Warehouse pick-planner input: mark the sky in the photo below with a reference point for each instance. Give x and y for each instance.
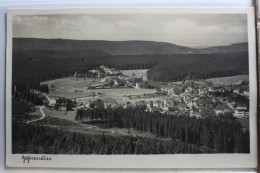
(193, 30)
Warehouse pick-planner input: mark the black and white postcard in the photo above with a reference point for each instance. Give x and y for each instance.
(131, 88)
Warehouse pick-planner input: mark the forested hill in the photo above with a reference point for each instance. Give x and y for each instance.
(199, 66)
(238, 47)
(101, 47)
(109, 47)
(36, 60)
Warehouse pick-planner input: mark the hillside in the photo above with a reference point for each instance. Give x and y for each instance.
(238, 47)
(62, 58)
(134, 47)
(199, 66)
(108, 47)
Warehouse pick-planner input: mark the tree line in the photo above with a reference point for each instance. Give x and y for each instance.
(222, 133)
(194, 67)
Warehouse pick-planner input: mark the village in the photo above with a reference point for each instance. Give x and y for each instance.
(193, 98)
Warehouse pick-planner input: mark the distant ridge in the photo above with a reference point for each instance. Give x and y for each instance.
(238, 47)
(102, 47)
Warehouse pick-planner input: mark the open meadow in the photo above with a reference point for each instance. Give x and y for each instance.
(78, 89)
(228, 80)
(61, 120)
(118, 95)
(69, 82)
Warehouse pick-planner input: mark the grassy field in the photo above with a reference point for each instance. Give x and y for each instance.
(119, 95)
(77, 89)
(90, 129)
(223, 80)
(70, 82)
(70, 87)
(101, 93)
(86, 128)
(228, 80)
(36, 112)
(70, 115)
(26, 117)
(120, 92)
(71, 95)
(136, 73)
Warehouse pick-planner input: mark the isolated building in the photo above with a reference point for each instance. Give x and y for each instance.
(222, 109)
(241, 112)
(52, 102)
(137, 85)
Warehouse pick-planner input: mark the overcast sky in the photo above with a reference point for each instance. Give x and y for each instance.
(188, 30)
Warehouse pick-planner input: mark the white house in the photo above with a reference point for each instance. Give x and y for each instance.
(241, 112)
(84, 105)
(52, 102)
(221, 109)
(137, 85)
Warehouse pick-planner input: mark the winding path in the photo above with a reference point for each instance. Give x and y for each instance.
(43, 115)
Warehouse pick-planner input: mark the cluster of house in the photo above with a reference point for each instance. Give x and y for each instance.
(112, 82)
(185, 103)
(110, 71)
(177, 105)
(194, 102)
(244, 93)
(103, 71)
(241, 112)
(109, 78)
(112, 78)
(49, 100)
(90, 105)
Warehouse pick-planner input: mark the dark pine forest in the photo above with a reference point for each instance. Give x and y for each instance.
(222, 133)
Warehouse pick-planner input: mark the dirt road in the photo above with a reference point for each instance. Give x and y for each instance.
(43, 115)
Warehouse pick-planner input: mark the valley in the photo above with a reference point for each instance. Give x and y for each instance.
(129, 97)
